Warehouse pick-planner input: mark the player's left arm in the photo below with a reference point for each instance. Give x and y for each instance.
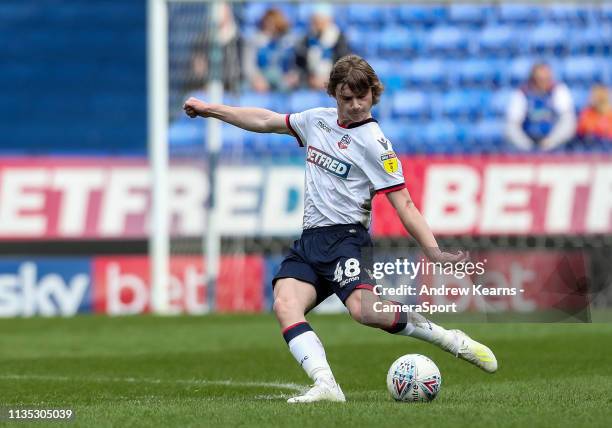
(416, 225)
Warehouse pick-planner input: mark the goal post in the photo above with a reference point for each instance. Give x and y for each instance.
(157, 82)
(158, 124)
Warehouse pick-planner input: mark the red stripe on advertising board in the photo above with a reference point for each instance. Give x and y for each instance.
(121, 285)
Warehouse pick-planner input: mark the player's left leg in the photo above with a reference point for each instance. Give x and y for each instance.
(367, 308)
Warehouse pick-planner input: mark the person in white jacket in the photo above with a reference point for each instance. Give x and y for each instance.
(541, 113)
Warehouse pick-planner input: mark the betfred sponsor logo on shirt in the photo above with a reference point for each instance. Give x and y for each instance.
(327, 162)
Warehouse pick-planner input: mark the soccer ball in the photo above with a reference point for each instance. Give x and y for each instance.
(414, 377)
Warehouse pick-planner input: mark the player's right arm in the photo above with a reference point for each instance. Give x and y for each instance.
(249, 118)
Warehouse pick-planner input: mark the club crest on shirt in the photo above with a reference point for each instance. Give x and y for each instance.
(389, 161)
(344, 142)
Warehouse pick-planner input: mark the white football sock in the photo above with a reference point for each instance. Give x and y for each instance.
(308, 351)
(429, 332)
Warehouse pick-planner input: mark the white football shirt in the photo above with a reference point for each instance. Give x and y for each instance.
(345, 167)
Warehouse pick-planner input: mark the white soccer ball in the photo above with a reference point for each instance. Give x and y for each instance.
(414, 377)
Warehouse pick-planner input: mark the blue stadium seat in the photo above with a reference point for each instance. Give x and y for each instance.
(187, 138)
(406, 136)
(270, 101)
(476, 72)
(185, 134)
(570, 13)
(411, 104)
(397, 40)
(489, 134)
(519, 68)
(368, 15)
(389, 72)
(306, 99)
(272, 145)
(444, 136)
(520, 13)
(422, 15)
(580, 97)
(583, 71)
(596, 39)
(233, 136)
(463, 104)
(606, 11)
(426, 72)
(499, 102)
(607, 69)
(449, 40)
(394, 131)
(362, 42)
(548, 39)
(499, 40)
(469, 14)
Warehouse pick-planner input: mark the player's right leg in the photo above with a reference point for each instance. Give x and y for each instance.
(292, 299)
(361, 304)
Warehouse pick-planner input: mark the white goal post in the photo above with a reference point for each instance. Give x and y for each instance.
(158, 121)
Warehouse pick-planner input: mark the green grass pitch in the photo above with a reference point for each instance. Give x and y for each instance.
(228, 370)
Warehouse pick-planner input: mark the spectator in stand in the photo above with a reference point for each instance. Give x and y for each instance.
(320, 48)
(541, 113)
(229, 39)
(269, 58)
(595, 123)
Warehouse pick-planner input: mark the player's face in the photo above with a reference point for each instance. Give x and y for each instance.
(351, 107)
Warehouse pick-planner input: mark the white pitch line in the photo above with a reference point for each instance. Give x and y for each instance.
(195, 382)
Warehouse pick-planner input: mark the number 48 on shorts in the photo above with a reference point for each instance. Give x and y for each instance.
(347, 271)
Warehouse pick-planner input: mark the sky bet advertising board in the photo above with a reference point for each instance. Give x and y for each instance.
(120, 285)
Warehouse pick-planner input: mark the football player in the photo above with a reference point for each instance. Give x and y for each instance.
(348, 162)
